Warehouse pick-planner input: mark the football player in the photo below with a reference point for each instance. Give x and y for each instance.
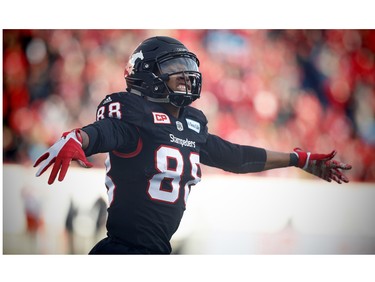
(155, 143)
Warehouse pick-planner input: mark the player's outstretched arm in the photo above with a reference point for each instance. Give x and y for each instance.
(68, 148)
(322, 165)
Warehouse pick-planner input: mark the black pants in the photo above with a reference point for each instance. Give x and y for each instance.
(110, 246)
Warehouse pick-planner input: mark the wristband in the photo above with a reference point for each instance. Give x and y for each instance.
(293, 159)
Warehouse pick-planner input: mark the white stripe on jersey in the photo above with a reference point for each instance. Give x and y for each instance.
(108, 181)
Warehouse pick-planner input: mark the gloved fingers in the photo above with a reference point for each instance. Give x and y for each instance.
(337, 176)
(65, 163)
(55, 171)
(323, 157)
(337, 164)
(45, 165)
(41, 158)
(340, 176)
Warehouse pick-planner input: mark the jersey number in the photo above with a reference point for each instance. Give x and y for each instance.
(114, 111)
(170, 164)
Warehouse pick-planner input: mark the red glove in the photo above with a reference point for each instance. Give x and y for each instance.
(68, 148)
(322, 165)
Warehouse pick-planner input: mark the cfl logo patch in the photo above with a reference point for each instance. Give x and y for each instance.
(161, 118)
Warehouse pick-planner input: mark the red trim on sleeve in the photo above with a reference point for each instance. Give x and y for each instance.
(132, 154)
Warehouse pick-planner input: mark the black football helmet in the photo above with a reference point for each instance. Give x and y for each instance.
(151, 65)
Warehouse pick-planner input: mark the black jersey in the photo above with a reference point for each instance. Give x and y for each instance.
(153, 161)
(149, 184)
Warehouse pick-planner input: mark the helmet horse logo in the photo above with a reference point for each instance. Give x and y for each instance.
(130, 66)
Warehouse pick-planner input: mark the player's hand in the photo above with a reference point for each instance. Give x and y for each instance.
(68, 148)
(322, 165)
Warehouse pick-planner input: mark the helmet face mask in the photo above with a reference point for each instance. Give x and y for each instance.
(152, 65)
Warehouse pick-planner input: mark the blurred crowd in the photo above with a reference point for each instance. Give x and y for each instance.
(277, 89)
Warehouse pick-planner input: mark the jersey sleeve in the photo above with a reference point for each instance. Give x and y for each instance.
(219, 153)
(112, 129)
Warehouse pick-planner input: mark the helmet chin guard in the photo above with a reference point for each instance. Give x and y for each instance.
(151, 65)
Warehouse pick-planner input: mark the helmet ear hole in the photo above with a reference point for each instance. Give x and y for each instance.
(159, 87)
(146, 66)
